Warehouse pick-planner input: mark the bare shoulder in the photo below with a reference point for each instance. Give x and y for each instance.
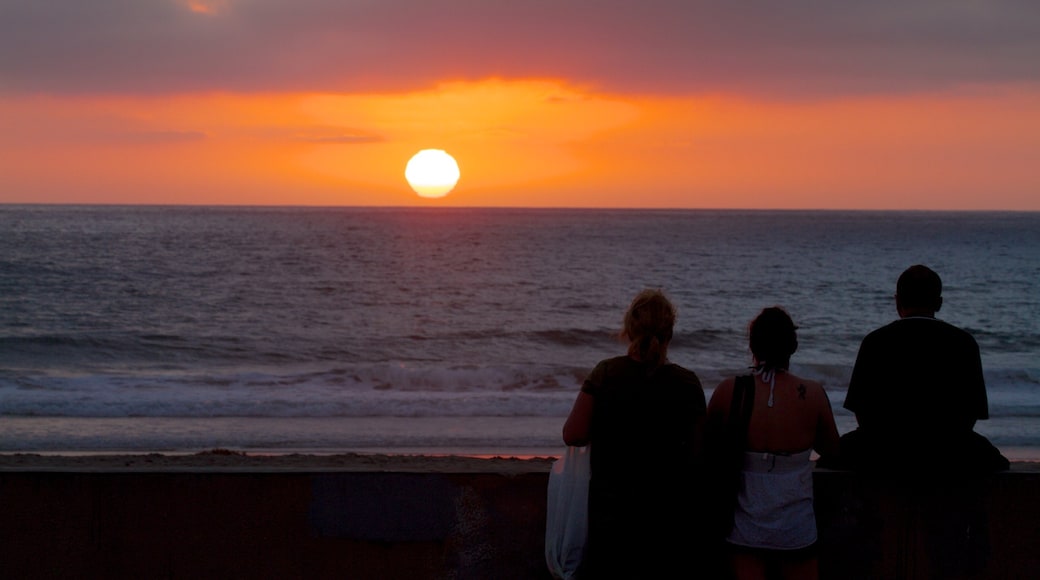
(724, 387)
(722, 395)
(809, 389)
(815, 386)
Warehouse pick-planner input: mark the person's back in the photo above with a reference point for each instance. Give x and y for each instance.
(931, 372)
(643, 418)
(773, 523)
(793, 422)
(642, 414)
(917, 389)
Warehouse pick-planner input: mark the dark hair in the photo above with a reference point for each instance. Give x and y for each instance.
(772, 338)
(919, 287)
(648, 326)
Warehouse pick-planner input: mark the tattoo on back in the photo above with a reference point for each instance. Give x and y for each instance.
(801, 392)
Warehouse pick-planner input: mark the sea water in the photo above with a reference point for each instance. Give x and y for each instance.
(442, 330)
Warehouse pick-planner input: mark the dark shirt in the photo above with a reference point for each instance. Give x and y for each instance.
(917, 385)
(643, 491)
(641, 415)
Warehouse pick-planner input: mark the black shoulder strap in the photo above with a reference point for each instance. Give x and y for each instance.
(743, 402)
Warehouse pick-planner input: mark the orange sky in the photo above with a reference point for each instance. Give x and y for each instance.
(967, 139)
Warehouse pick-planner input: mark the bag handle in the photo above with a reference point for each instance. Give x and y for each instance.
(740, 408)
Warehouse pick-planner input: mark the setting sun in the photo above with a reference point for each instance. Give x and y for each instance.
(432, 173)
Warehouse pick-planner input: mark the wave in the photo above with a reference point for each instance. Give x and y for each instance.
(374, 390)
(242, 404)
(1020, 340)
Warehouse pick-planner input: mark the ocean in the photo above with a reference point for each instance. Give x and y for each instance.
(442, 330)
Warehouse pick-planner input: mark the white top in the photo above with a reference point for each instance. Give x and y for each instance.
(775, 502)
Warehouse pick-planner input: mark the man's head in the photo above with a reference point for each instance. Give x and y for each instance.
(918, 292)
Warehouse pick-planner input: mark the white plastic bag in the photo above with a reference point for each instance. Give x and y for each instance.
(567, 512)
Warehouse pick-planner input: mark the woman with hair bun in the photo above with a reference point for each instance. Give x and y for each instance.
(643, 416)
(774, 525)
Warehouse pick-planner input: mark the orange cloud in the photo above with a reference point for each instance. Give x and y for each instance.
(504, 134)
(529, 143)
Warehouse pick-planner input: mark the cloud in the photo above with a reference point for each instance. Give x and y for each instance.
(339, 139)
(207, 6)
(794, 47)
(37, 124)
(157, 137)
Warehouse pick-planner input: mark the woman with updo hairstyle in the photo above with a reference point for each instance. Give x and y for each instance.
(772, 338)
(642, 416)
(649, 323)
(773, 531)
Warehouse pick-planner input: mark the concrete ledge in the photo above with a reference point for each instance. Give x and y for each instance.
(343, 524)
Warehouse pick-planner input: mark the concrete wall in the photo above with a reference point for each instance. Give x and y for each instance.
(291, 524)
(980, 528)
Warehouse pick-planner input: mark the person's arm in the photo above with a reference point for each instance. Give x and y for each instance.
(860, 384)
(718, 409)
(979, 403)
(577, 428)
(696, 437)
(827, 438)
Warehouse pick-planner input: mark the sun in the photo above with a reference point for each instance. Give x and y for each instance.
(432, 173)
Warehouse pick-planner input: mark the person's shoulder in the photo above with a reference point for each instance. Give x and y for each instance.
(605, 367)
(815, 389)
(727, 382)
(911, 326)
(954, 329)
(881, 333)
(809, 383)
(896, 325)
(613, 362)
(616, 367)
(683, 373)
(964, 339)
(725, 388)
(947, 330)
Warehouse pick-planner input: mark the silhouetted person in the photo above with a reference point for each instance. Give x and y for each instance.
(643, 417)
(917, 390)
(774, 524)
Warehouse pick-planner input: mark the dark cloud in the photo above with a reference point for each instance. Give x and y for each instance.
(660, 46)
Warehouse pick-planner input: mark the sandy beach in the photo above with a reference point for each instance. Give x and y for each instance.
(224, 459)
(231, 460)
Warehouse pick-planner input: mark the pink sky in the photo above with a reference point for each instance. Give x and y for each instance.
(659, 103)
